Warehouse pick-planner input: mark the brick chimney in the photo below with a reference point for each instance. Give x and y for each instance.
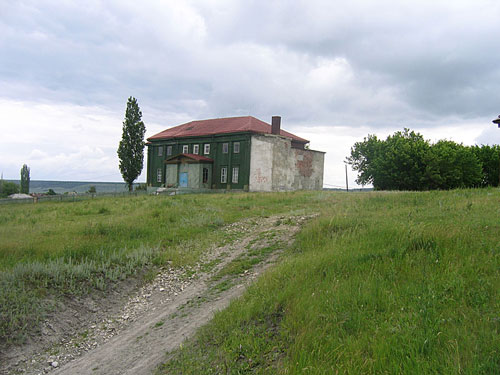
(276, 125)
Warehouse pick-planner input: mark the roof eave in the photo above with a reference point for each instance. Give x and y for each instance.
(200, 135)
(298, 139)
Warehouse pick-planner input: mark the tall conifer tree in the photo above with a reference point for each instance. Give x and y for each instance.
(25, 179)
(131, 148)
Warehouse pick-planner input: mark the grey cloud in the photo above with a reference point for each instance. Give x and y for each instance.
(440, 57)
(404, 62)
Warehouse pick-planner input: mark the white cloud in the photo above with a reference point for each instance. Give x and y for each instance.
(60, 141)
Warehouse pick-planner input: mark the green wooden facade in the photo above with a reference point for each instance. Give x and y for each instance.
(229, 152)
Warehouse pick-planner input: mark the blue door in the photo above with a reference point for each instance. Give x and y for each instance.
(183, 179)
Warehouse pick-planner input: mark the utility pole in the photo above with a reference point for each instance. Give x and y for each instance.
(497, 121)
(346, 180)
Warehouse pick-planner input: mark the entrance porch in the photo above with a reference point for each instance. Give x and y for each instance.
(188, 171)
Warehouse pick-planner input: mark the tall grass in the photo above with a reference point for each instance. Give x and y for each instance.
(380, 283)
(53, 249)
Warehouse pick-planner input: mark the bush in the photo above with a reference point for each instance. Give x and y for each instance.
(7, 188)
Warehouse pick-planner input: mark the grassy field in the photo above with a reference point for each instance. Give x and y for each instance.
(54, 250)
(380, 283)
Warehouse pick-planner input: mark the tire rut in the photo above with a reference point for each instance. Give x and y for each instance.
(162, 314)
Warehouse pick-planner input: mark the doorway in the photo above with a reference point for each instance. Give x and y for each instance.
(183, 179)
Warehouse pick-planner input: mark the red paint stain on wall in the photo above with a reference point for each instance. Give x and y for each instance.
(304, 166)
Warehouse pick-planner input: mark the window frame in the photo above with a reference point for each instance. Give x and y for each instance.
(205, 175)
(169, 150)
(225, 148)
(159, 175)
(223, 175)
(206, 149)
(185, 149)
(196, 149)
(237, 175)
(160, 150)
(236, 147)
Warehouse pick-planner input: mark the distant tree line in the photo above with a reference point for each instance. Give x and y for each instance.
(406, 161)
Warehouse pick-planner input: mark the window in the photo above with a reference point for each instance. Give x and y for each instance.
(206, 151)
(236, 171)
(185, 149)
(169, 150)
(205, 175)
(196, 149)
(158, 175)
(236, 147)
(160, 151)
(225, 148)
(223, 175)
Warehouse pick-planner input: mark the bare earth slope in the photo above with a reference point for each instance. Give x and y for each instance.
(134, 338)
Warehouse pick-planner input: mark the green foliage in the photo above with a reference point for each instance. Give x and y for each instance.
(490, 163)
(406, 161)
(380, 283)
(25, 179)
(131, 147)
(92, 190)
(401, 163)
(8, 188)
(451, 165)
(51, 192)
(363, 157)
(142, 187)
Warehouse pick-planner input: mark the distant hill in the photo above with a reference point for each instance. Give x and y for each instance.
(60, 187)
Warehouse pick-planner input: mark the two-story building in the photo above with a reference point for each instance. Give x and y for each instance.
(233, 153)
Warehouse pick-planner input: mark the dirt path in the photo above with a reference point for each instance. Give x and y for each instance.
(135, 336)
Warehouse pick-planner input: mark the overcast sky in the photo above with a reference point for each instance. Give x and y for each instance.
(335, 71)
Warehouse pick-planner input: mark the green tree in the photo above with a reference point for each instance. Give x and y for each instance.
(363, 156)
(451, 165)
(92, 190)
(401, 164)
(406, 161)
(489, 156)
(25, 179)
(131, 148)
(398, 163)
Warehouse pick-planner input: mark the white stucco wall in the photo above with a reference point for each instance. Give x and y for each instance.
(283, 164)
(309, 169)
(261, 163)
(276, 166)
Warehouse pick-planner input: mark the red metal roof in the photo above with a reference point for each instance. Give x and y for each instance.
(191, 156)
(221, 126)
